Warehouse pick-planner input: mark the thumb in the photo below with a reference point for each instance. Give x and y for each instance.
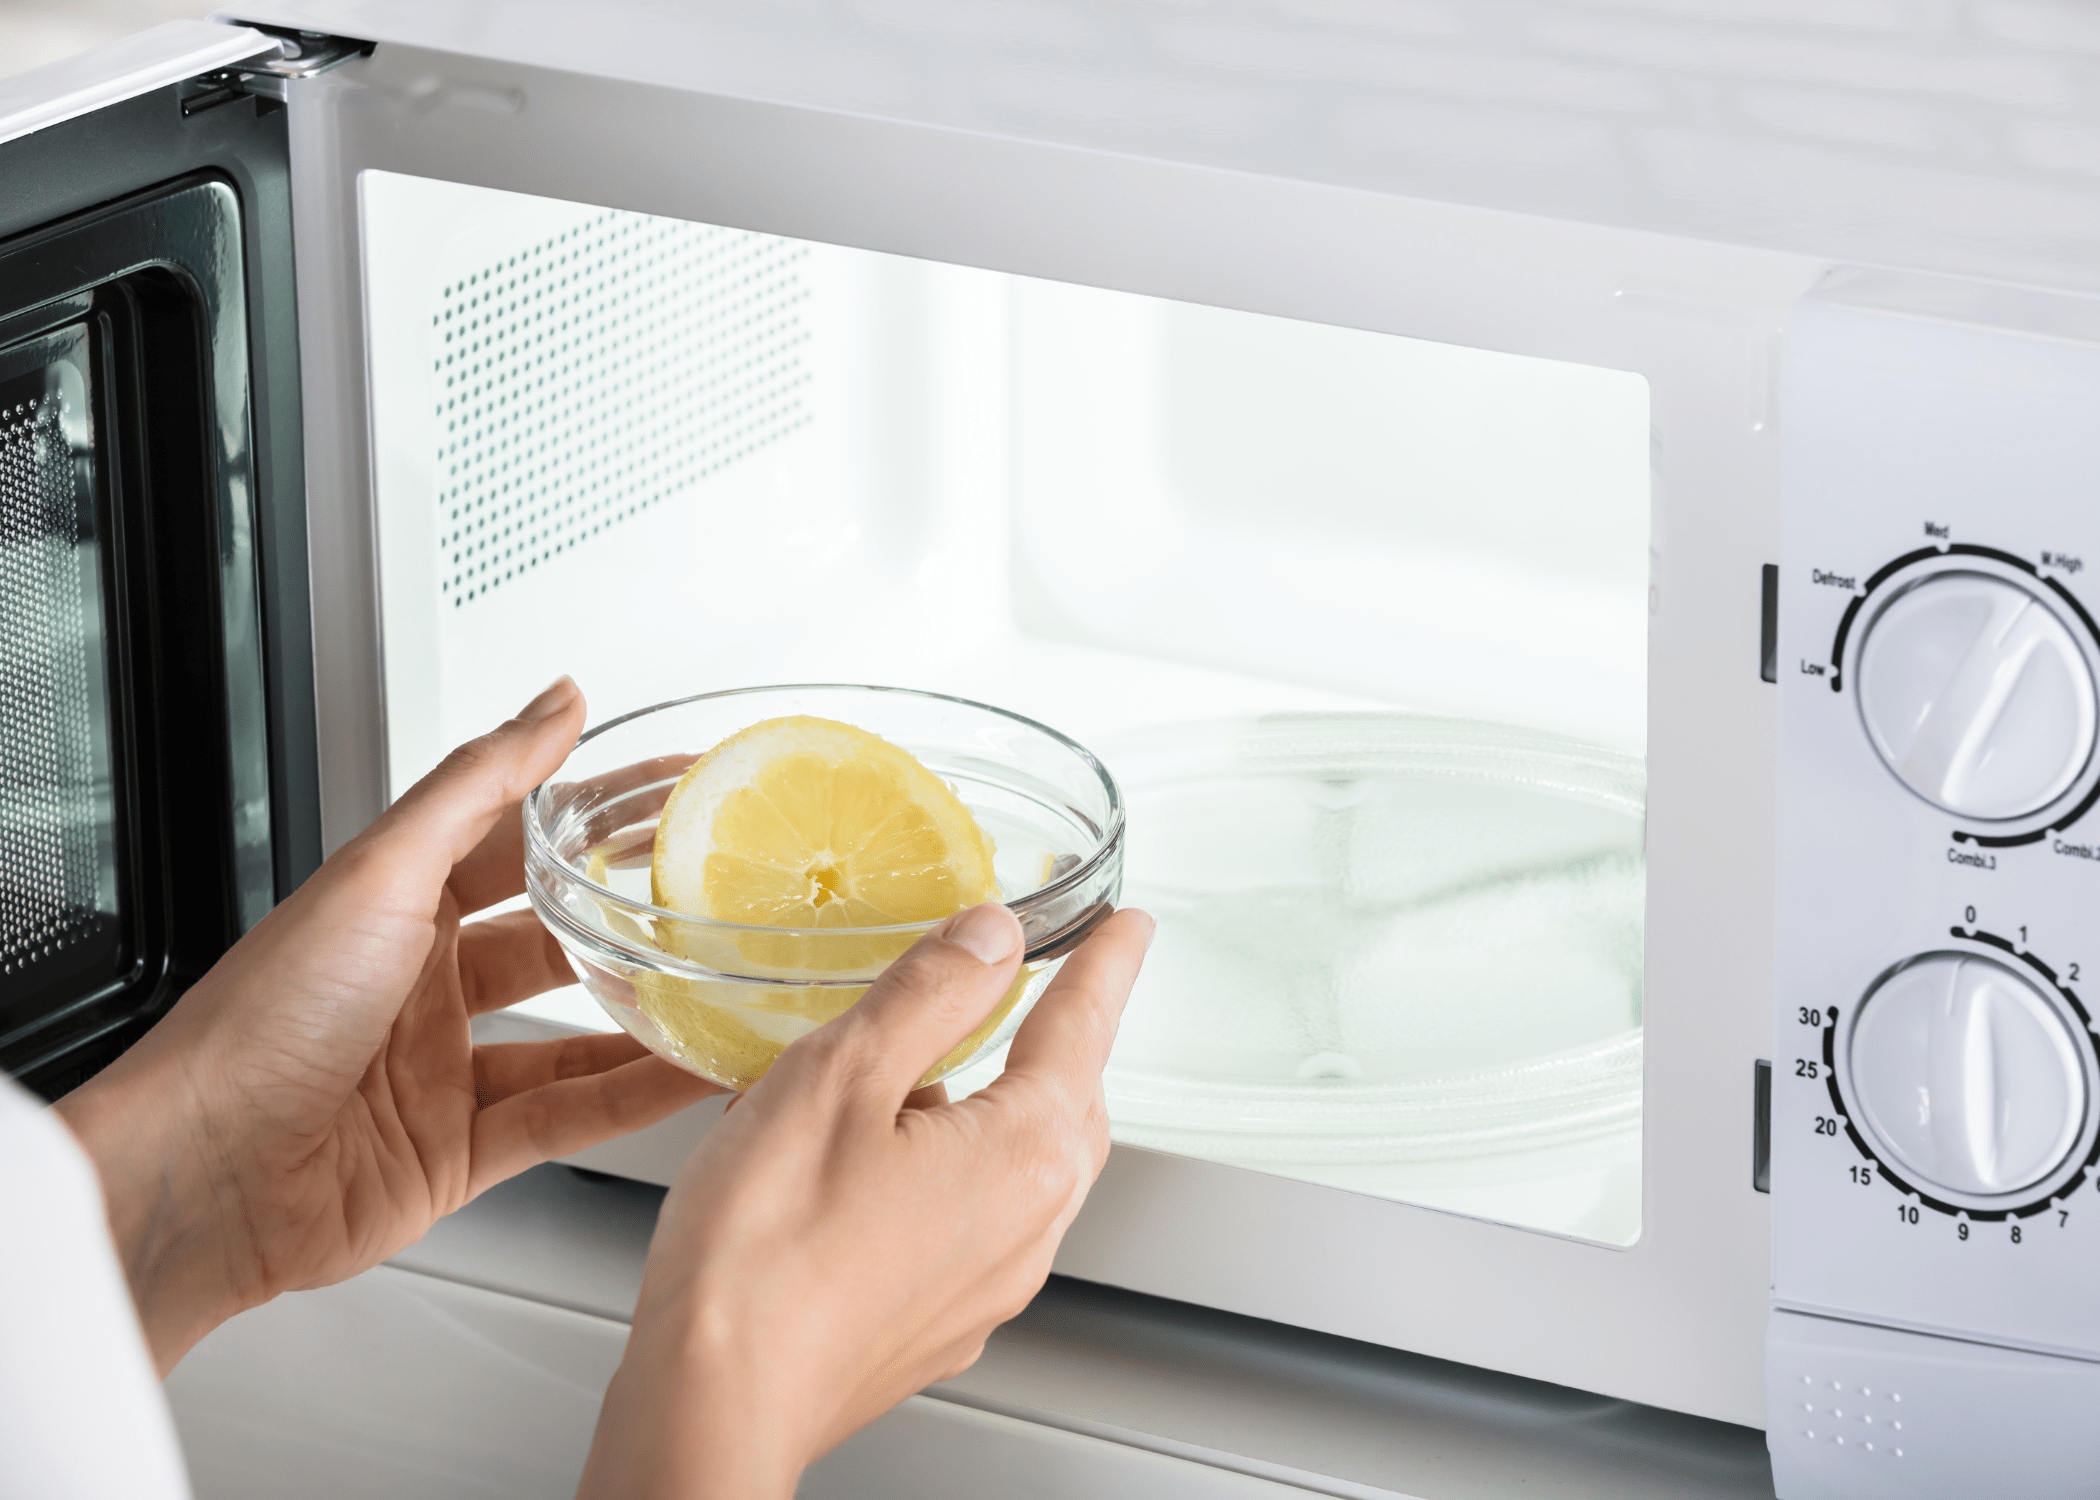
(437, 822)
(924, 1003)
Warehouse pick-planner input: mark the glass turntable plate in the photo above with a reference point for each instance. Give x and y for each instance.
(1397, 954)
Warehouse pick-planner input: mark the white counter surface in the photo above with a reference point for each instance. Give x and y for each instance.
(1087, 1377)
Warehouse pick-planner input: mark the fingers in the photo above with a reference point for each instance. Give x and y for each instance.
(502, 1069)
(627, 796)
(566, 1115)
(410, 852)
(924, 1003)
(1053, 1069)
(494, 870)
(1065, 1041)
(658, 771)
(505, 959)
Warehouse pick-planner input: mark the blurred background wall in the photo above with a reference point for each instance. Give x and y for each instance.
(34, 32)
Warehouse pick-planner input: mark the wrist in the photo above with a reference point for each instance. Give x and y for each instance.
(158, 1207)
(692, 1413)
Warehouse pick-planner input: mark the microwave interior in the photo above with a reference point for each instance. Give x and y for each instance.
(1358, 621)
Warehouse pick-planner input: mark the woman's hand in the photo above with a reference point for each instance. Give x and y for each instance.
(837, 1242)
(315, 1102)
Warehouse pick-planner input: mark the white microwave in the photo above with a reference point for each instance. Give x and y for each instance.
(1589, 615)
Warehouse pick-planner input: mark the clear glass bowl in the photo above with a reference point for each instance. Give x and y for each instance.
(722, 998)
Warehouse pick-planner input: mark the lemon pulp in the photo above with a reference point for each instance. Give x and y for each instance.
(812, 825)
(809, 823)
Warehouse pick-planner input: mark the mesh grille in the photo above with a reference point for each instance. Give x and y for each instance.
(599, 372)
(50, 844)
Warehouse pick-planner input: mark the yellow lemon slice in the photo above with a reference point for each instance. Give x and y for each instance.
(810, 823)
(813, 825)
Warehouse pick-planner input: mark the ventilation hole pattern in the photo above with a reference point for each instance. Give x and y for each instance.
(49, 848)
(600, 372)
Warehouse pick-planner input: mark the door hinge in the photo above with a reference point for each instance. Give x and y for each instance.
(300, 54)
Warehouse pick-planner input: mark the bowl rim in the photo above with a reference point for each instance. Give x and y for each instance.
(539, 847)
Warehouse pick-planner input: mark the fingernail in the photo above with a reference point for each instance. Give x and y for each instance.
(558, 696)
(1152, 931)
(986, 932)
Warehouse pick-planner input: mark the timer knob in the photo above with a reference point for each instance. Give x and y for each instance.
(1967, 1075)
(1976, 694)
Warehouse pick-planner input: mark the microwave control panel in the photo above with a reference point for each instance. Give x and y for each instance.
(1935, 1120)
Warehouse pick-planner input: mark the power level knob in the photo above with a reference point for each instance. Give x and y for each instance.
(1976, 694)
(1968, 1076)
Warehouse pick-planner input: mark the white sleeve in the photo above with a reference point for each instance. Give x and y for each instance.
(81, 1414)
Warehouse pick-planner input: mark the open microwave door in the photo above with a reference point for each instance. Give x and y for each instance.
(156, 754)
(702, 350)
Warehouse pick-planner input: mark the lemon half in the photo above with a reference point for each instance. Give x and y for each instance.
(810, 823)
(807, 824)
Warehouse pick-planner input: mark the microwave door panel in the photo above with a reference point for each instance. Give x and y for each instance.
(1214, 468)
(158, 767)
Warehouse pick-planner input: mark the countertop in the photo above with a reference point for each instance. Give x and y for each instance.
(1330, 1415)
